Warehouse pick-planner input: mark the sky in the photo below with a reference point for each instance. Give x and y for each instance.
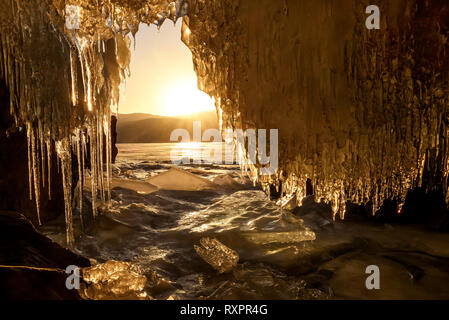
(162, 80)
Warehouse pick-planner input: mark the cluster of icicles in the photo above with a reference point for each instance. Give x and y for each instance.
(89, 141)
(384, 136)
(63, 86)
(94, 139)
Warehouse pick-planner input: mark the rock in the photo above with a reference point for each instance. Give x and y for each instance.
(309, 188)
(14, 186)
(274, 192)
(32, 266)
(220, 257)
(114, 138)
(356, 212)
(429, 208)
(315, 215)
(29, 284)
(420, 207)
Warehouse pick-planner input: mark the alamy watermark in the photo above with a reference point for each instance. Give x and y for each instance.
(373, 280)
(373, 20)
(249, 146)
(73, 14)
(72, 20)
(73, 280)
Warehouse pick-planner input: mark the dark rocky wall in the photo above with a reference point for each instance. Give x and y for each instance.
(114, 138)
(31, 265)
(14, 186)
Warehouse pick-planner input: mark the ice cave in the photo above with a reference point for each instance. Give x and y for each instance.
(362, 177)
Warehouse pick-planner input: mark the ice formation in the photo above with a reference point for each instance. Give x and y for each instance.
(361, 113)
(113, 280)
(219, 256)
(227, 182)
(64, 83)
(178, 179)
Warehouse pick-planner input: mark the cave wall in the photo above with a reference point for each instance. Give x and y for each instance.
(14, 183)
(362, 113)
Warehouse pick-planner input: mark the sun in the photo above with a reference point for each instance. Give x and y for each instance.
(184, 98)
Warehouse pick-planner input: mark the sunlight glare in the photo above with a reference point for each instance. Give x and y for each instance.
(185, 98)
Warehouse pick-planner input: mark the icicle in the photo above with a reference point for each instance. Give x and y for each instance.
(99, 44)
(93, 166)
(134, 40)
(42, 147)
(80, 170)
(107, 131)
(160, 20)
(85, 74)
(83, 155)
(65, 155)
(36, 174)
(48, 142)
(30, 173)
(116, 43)
(34, 102)
(88, 86)
(73, 77)
(100, 156)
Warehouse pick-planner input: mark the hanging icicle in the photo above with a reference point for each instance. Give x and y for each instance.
(64, 151)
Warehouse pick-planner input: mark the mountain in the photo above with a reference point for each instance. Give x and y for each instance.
(148, 128)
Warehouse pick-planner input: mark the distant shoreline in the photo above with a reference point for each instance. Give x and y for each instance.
(147, 128)
(170, 142)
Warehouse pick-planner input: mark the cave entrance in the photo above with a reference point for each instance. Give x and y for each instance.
(161, 96)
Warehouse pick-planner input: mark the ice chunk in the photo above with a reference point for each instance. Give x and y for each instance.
(136, 185)
(288, 202)
(180, 180)
(227, 182)
(220, 257)
(130, 184)
(263, 238)
(112, 280)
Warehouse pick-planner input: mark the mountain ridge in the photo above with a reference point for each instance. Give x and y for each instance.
(149, 128)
